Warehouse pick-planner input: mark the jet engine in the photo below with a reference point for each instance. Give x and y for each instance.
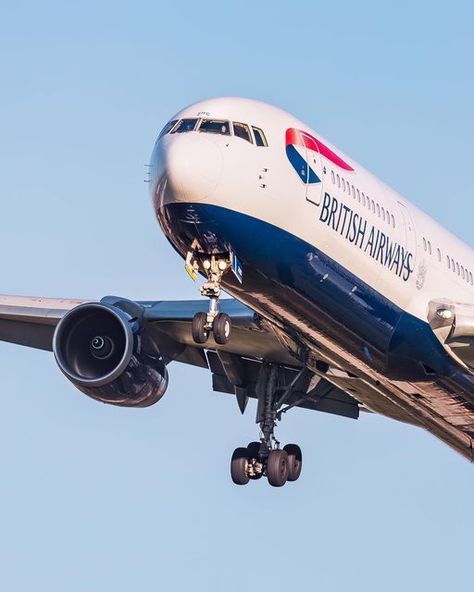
(107, 354)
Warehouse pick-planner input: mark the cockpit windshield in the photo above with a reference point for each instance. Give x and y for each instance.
(168, 127)
(251, 134)
(215, 126)
(185, 125)
(241, 130)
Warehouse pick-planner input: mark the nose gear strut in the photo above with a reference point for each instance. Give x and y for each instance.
(219, 323)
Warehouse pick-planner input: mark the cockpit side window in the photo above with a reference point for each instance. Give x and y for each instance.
(260, 138)
(215, 126)
(241, 130)
(185, 125)
(168, 127)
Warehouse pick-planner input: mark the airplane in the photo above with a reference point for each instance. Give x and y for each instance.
(345, 297)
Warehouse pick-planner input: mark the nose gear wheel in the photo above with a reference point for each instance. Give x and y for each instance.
(214, 321)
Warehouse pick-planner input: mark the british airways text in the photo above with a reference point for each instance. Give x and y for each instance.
(356, 229)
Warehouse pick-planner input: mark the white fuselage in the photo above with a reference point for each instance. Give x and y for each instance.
(260, 182)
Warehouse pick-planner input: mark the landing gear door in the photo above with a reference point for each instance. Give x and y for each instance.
(314, 170)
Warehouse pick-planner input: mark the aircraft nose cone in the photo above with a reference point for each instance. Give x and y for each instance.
(191, 164)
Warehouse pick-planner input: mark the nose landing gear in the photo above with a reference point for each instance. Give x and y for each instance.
(219, 323)
(266, 458)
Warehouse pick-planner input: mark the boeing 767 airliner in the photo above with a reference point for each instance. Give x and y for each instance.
(346, 297)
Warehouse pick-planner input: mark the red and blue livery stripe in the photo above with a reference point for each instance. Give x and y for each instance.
(295, 137)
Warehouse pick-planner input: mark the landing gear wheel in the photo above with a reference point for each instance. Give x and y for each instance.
(295, 461)
(252, 454)
(200, 333)
(253, 449)
(277, 468)
(238, 466)
(221, 328)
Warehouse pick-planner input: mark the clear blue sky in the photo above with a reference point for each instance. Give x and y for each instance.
(99, 498)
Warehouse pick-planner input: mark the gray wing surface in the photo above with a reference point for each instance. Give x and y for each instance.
(31, 321)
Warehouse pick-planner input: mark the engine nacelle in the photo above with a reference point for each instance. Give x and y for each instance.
(106, 354)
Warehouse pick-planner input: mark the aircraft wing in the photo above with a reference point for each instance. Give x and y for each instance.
(31, 321)
(331, 382)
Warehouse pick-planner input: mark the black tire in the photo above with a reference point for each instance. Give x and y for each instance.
(238, 466)
(252, 452)
(277, 468)
(221, 328)
(295, 461)
(253, 449)
(200, 333)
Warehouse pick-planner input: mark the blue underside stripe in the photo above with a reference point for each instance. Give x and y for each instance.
(282, 269)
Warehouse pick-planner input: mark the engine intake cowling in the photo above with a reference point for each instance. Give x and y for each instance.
(107, 354)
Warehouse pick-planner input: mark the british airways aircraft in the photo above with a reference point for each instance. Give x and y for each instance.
(346, 297)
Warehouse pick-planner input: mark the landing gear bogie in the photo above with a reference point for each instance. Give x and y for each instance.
(267, 458)
(254, 462)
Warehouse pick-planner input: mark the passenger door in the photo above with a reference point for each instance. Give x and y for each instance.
(314, 170)
(409, 230)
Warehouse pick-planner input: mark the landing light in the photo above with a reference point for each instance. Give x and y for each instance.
(444, 313)
(206, 264)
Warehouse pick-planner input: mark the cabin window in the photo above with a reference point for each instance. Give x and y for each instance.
(393, 220)
(353, 192)
(439, 254)
(453, 266)
(470, 277)
(343, 184)
(358, 195)
(168, 127)
(338, 181)
(383, 214)
(462, 272)
(373, 205)
(424, 243)
(333, 178)
(241, 130)
(260, 138)
(185, 125)
(457, 268)
(449, 262)
(429, 247)
(378, 210)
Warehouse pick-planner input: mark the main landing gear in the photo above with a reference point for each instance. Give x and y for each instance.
(213, 321)
(266, 458)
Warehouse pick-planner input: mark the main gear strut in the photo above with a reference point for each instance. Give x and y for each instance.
(266, 457)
